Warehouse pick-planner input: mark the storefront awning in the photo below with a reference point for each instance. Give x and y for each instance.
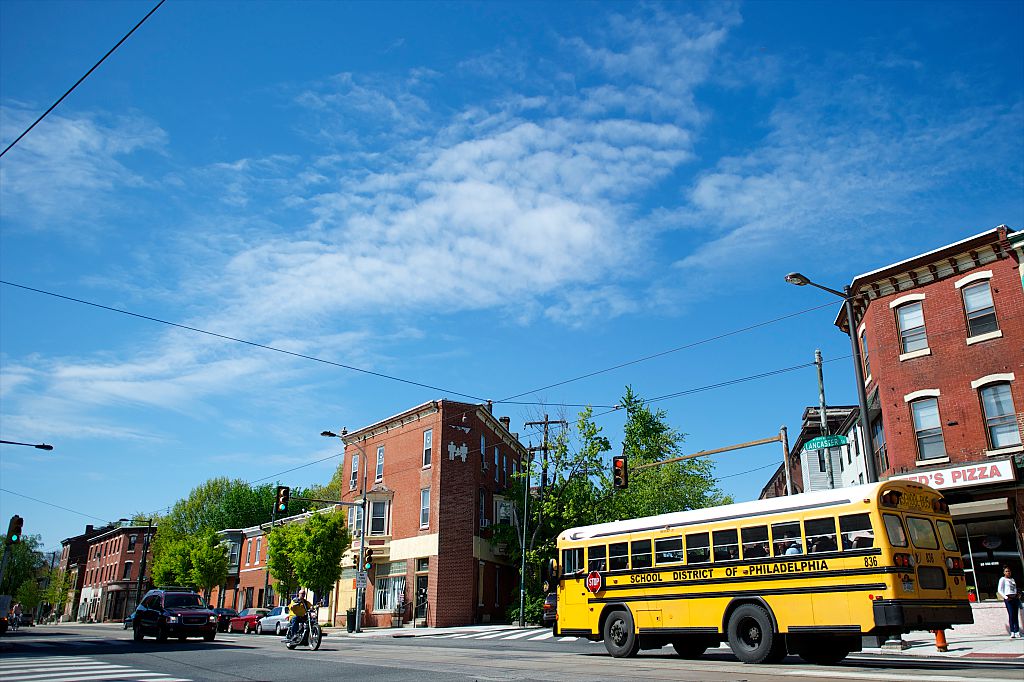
(986, 508)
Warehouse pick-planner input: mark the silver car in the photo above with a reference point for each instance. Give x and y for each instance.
(274, 622)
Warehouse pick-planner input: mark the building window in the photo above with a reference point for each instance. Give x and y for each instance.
(355, 471)
(880, 453)
(248, 552)
(483, 452)
(259, 545)
(132, 539)
(379, 476)
(928, 429)
(864, 353)
(428, 442)
(127, 571)
(425, 508)
(389, 586)
(821, 460)
(483, 508)
(497, 462)
(910, 318)
(234, 553)
(504, 468)
(378, 517)
(981, 313)
(1000, 417)
(355, 521)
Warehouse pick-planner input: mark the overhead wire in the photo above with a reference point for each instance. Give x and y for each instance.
(79, 81)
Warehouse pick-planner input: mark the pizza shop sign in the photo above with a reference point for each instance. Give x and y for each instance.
(983, 473)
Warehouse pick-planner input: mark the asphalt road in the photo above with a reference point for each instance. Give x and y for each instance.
(96, 653)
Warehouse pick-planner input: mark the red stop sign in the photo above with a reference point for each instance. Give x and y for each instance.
(594, 582)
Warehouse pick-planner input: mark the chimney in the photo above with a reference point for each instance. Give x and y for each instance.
(490, 407)
(88, 528)
(506, 422)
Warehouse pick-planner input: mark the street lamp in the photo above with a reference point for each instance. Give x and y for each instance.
(39, 446)
(360, 591)
(862, 398)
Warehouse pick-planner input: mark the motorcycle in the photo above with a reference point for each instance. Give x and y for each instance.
(308, 634)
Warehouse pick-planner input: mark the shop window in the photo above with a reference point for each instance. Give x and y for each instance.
(1000, 416)
(928, 429)
(910, 319)
(389, 586)
(980, 311)
(755, 542)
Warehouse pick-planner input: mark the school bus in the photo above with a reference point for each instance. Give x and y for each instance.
(807, 574)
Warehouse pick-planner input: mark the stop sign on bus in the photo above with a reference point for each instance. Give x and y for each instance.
(594, 582)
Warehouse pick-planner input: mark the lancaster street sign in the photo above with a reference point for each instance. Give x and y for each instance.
(825, 442)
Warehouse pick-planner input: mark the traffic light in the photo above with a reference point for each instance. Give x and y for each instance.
(620, 471)
(282, 498)
(14, 530)
(355, 561)
(367, 559)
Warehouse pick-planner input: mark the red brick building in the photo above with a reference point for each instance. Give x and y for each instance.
(73, 559)
(110, 572)
(434, 478)
(942, 335)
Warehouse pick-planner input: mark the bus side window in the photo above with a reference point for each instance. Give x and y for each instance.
(618, 556)
(755, 542)
(786, 539)
(727, 545)
(894, 529)
(572, 561)
(697, 549)
(820, 534)
(856, 531)
(597, 557)
(668, 550)
(641, 553)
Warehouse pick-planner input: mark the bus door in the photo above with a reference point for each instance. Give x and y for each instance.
(572, 588)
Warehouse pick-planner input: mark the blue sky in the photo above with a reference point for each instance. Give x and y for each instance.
(487, 198)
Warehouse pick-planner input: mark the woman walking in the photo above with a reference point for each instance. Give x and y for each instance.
(1008, 592)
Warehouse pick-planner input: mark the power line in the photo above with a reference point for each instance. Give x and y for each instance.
(79, 81)
(238, 340)
(748, 471)
(51, 504)
(693, 344)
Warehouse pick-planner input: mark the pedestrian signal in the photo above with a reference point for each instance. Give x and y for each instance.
(620, 471)
(282, 498)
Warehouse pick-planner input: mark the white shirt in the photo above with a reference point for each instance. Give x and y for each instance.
(1007, 587)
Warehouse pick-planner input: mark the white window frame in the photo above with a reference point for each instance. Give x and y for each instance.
(1009, 418)
(378, 473)
(425, 508)
(993, 333)
(127, 573)
(373, 506)
(483, 451)
(918, 429)
(428, 447)
(354, 478)
(259, 547)
(911, 335)
(497, 462)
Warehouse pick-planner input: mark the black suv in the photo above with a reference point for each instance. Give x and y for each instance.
(177, 613)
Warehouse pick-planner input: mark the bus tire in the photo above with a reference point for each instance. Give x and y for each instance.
(752, 637)
(689, 647)
(619, 634)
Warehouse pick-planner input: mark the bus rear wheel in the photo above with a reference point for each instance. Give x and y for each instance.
(689, 647)
(752, 637)
(619, 635)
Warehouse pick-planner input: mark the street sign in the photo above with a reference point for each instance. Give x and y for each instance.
(594, 582)
(361, 580)
(824, 442)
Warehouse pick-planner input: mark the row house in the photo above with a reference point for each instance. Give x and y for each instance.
(434, 478)
(114, 561)
(74, 555)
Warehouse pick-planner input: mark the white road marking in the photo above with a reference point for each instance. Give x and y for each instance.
(544, 635)
(525, 633)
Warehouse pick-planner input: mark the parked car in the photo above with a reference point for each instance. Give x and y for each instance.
(276, 621)
(550, 609)
(246, 620)
(174, 613)
(224, 617)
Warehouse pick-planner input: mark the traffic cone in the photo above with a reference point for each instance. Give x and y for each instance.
(940, 641)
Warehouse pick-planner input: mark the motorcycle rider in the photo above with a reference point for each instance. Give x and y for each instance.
(299, 612)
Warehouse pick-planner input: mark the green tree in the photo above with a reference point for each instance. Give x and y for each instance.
(172, 560)
(24, 562)
(317, 550)
(29, 595)
(209, 562)
(280, 557)
(57, 588)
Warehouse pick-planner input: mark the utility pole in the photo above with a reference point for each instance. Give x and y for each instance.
(266, 549)
(522, 561)
(544, 447)
(142, 568)
(823, 418)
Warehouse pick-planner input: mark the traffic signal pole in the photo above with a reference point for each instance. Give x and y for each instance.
(266, 571)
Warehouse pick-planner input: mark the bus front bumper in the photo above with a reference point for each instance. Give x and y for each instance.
(920, 614)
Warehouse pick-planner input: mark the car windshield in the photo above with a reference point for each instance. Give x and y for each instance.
(180, 601)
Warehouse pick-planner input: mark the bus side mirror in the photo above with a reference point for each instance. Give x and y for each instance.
(551, 569)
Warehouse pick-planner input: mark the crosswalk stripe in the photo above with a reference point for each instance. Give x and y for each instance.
(28, 669)
(492, 635)
(447, 636)
(76, 669)
(544, 635)
(116, 672)
(472, 634)
(525, 633)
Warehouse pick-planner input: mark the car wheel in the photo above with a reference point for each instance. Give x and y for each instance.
(259, 628)
(245, 629)
(277, 629)
(619, 635)
(137, 633)
(209, 637)
(752, 637)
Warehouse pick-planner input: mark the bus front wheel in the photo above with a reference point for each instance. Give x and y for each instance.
(619, 635)
(752, 637)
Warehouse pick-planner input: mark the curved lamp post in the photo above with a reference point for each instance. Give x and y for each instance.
(862, 399)
(39, 446)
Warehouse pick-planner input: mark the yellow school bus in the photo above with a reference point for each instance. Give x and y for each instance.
(807, 574)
